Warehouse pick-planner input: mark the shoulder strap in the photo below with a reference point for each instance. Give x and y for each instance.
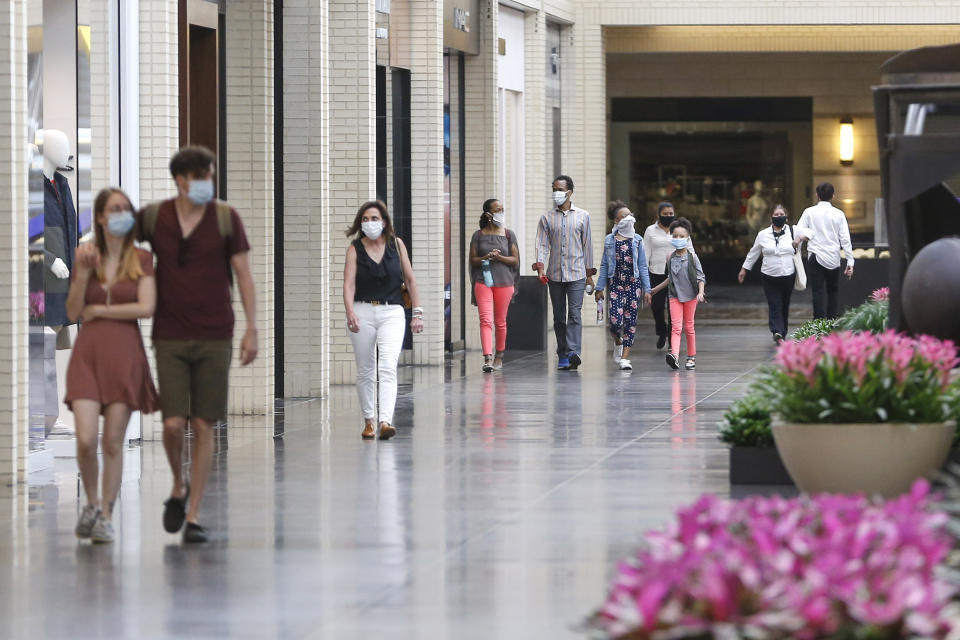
(150, 214)
(224, 219)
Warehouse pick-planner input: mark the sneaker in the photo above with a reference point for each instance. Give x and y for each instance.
(778, 338)
(672, 361)
(574, 360)
(487, 364)
(563, 364)
(617, 352)
(497, 365)
(195, 533)
(690, 365)
(625, 365)
(175, 512)
(661, 342)
(88, 517)
(102, 531)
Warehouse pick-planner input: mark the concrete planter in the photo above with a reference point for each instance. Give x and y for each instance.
(876, 458)
(757, 466)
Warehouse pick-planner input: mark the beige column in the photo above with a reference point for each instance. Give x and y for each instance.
(539, 161)
(482, 134)
(306, 207)
(352, 162)
(14, 346)
(249, 37)
(159, 129)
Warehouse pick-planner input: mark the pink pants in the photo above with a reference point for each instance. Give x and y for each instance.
(681, 317)
(493, 303)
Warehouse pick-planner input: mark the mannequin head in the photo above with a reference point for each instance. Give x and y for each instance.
(758, 187)
(56, 151)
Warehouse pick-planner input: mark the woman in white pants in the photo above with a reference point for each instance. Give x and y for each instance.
(376, 269)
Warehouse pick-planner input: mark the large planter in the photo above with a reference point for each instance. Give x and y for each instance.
(877, 458)
(757, 465)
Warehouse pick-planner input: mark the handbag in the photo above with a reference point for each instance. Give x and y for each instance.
(800, 280)
(404, 293)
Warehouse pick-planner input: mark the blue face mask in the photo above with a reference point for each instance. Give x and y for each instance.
(200, 192)
(679, 243)
(120, 223)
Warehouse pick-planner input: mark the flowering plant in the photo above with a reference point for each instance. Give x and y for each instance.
(862, 377)
(832, 566)
(880, 295)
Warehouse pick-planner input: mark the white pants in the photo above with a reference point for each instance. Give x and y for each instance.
(382, 328)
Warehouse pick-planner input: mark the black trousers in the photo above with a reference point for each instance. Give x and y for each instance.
(824, 284)
(658, 305)
(778, 291)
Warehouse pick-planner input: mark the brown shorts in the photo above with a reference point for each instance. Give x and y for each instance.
(193, 376)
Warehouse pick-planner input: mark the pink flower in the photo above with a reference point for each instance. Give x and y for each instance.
(880, 295)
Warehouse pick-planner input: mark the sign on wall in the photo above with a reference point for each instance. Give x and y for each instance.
(461, 29)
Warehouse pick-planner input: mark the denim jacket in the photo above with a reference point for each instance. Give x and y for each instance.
(609, 264)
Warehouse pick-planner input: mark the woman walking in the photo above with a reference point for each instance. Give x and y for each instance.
(108, 374)
(495, 263)
(657, 240)
(624, 266)
(777, 272)
(686, 285)
(376, 270)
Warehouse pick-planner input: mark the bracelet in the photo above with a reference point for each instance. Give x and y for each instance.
(417, 310)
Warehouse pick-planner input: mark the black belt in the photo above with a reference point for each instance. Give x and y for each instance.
(378, 302)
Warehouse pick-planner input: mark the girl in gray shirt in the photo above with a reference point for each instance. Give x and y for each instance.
(685, 283)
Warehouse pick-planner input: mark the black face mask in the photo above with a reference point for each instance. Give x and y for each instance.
(666, 221)
(779, 221)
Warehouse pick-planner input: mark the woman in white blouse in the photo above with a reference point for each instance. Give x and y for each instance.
(775, 244)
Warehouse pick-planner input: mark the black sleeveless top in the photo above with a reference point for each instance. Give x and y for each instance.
(378, 281)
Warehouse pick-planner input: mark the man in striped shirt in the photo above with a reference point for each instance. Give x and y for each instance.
(565, 265)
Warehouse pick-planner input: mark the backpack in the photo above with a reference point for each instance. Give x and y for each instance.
(224, 224)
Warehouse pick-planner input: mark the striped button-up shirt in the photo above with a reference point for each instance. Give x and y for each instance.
(564, 245)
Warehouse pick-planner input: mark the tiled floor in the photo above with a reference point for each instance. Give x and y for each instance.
(497, 512)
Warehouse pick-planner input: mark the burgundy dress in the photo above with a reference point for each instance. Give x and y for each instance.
(108, 363)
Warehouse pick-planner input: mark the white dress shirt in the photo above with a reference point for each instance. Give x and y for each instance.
(830, 234)
(656, 242)
(777, 252)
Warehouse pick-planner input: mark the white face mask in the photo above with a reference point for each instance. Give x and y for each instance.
(625, 227)
(372, 229)
(499, 218)
(559, 197)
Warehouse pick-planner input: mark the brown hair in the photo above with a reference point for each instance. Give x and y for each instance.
(379, 205)
(683, 223)
(193, 160)
(781, 208)
(614, 207)
(129, 265)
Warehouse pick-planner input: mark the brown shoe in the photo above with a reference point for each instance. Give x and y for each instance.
(387, 431)
(369, 433)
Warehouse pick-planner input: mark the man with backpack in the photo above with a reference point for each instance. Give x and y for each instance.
(199, 243)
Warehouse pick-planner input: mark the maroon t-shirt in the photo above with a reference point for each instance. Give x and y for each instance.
(194, 300)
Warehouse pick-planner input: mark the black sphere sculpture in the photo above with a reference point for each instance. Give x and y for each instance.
(931, 290)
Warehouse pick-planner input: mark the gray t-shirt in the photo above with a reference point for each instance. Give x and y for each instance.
(484, 243)
(678, 270)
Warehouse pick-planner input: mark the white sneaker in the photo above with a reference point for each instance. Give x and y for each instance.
(88, 517)
(617, 352)
(102, 531)
(625, 365)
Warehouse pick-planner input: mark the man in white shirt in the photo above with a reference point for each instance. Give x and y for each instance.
(830, 234)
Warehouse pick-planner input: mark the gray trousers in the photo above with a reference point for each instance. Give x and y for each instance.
(567, 300)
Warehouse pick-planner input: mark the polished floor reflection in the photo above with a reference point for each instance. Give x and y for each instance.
(497, 512)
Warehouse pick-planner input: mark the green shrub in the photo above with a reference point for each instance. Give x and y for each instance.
(815, 328)
(870, 316)
(747, 422)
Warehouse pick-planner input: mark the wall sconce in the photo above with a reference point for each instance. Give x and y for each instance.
(846, 142)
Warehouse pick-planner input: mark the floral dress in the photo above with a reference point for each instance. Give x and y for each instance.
(625, 294)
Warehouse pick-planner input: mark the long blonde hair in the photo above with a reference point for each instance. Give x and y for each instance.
(129, 266)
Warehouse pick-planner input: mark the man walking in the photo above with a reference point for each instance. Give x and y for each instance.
(829, 233)
(200, 244)
(565, 264)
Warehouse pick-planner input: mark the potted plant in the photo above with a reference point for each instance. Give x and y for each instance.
(862, 411)
(830, 567)
(753, 456)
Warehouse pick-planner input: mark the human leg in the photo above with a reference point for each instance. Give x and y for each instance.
(86, 415)
(658, 305)
(173, 379)
(786, 294)
(771, 291)
(574, 321)
(365, 351)
(816, 277)
(501, 305)
(615, 313)
(631, 307)
(676, 322)
(558, 299)
(832, 281)
(391, 327)
(115, 421)
(689, 311)
(485, 306)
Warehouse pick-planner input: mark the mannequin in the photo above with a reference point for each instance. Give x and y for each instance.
(59, 228)
(757, 208)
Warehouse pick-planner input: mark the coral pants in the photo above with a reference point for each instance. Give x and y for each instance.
(681, 317)
(493, 304)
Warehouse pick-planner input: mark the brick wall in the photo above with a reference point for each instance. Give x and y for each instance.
(306, 208)
(539, 119)
(250, 152)
(14, 411)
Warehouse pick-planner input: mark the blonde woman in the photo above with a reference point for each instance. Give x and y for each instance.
(113, 286)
